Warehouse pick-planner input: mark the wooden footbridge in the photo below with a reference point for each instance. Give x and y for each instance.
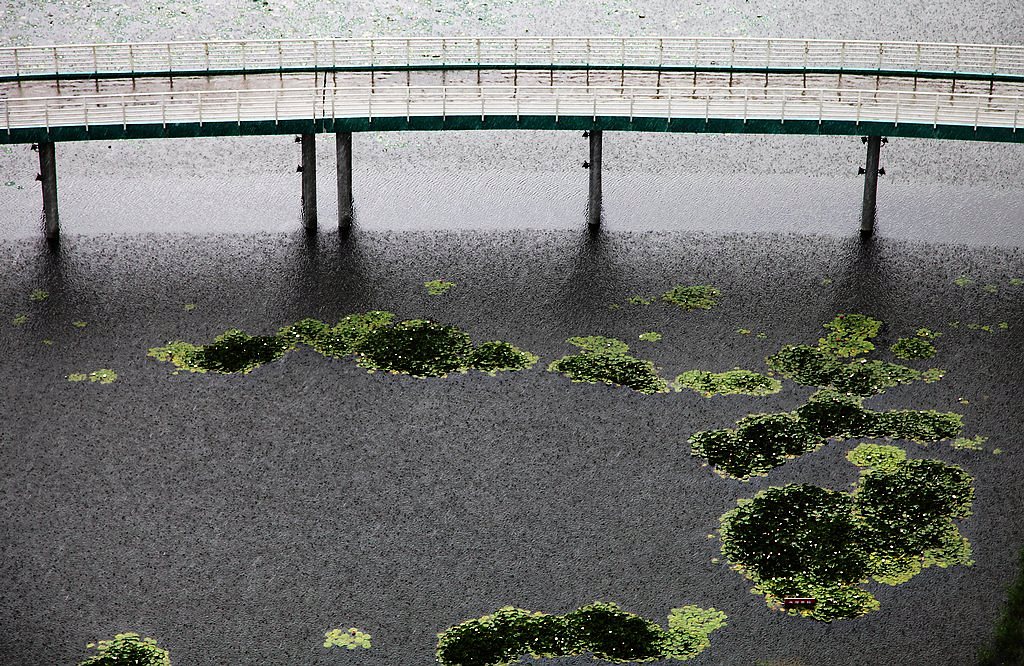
(82, 92)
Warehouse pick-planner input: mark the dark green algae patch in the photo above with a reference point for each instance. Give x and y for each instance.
(806, 541)
(607, 360)
(416, 347)
(600, 629)
(730, 382)
(761, 442)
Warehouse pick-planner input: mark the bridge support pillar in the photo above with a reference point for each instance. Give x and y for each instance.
(48, 179)
(308, 169)
(867, 215)
(343, 142)
(594, 202)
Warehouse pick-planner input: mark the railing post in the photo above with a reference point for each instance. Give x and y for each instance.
(594, 202)
(48, 179)
(343, 144)
(867, 216)
(308, 168)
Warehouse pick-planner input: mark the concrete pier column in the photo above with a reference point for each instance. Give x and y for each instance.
(343, 141)
(594, 203)
(867, 216)
(308, 168)
(48, 178)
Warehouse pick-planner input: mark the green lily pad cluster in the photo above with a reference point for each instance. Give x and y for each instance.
(350, 639)
(731, 382)
(607, 360)
(761, 442)
(600, 629)
(127, 649)
(807, 541)
(912, 349)
(415, 347)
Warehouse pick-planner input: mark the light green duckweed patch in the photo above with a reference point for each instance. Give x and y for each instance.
(697, 297)
(438, 287)
(731, 382)
(351, 639)
(879, 456)
(101, 376)
(650, 336)
(38, 295)
(20, 319)
(127, 649)
(599, 344)
(976, 443)
(849, 335)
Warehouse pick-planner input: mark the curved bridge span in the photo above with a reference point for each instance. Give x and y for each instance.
(50, 94)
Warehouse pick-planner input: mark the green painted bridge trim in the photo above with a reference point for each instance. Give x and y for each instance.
(510, 122)
(796, 71)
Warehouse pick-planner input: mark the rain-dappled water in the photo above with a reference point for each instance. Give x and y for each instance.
(238, 518)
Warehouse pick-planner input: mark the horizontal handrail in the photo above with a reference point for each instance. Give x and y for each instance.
(708, 102)
(801, 55)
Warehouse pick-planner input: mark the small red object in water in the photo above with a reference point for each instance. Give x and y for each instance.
(799, 602)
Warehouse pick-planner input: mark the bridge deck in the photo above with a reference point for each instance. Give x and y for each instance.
(60, 93)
